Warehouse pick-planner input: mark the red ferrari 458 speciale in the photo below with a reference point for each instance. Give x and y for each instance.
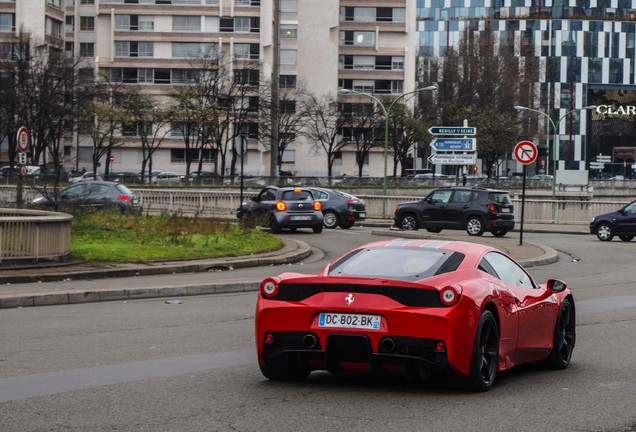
(418, 307)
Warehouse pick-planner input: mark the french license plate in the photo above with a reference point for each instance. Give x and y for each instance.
(363, 214)
(356, 321)
(301, 218)
(505, 210)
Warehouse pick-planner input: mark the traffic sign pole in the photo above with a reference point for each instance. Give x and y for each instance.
(525, 152)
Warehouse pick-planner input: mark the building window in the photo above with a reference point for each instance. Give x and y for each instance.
(134, 49)
(87, 2)
(87, 23)
(287, 106)
(337, 158)
(179, 155)
(7, 22)
(87, 49)
(246, 77)
(70, 24)
(288, 56)
(288, 32)
(243, 51)
(287, 81)
(289, 6)
(357, 38)
(186, 23)
(209, 50)
(288, 156)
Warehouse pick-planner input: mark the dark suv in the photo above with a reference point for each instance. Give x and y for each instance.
(474, 209)
(283, 207)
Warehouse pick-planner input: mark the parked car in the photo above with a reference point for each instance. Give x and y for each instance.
(87, 176)
(339, 208)
(97, 194)
(125, 177)
(199, 177)
(167, 178)
(474, 209)
(283, 207)
(621, 223)
(420, 308)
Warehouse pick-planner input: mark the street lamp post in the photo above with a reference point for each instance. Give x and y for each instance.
(555, 127)
(387, 113)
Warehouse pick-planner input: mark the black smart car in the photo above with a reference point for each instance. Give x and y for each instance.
(621, 223)
(339, 208)
(474, 209)
(282, 207)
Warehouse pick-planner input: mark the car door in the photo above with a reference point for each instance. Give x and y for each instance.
(262, 206)
(625, 221)
(457, 206)
(536, 308)
(97, 195)
(73, 195)
(434, 209)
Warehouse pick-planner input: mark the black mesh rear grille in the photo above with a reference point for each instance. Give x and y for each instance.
(414, 297)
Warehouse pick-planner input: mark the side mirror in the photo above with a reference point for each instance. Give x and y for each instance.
(255, 199)
(555, 285)
(429, 200)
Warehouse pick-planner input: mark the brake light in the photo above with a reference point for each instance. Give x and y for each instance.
(280, 206)
(297, 190)
(492, 207)
(450, 295)
(317, 206)
(124, 198)
(353, 201)
(269, 287)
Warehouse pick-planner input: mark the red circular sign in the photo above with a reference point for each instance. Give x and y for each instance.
(23, 171)
(23, 139)
(526, 152)
(112, 158)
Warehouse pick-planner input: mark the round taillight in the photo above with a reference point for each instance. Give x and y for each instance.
(124, 198)
(280, 206)
(450, 295)
(492, 207)
(317, 206)
(269, 287)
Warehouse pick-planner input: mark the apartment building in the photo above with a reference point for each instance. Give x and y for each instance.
(324, 46)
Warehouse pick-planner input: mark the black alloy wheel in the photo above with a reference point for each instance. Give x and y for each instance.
(563, 338)
(485, 356)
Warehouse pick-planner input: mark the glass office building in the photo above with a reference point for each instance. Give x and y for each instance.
(587, 56)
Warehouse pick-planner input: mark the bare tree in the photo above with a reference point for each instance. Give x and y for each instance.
(324, 127)
(405, 132)
(359, 129)
(146, 119)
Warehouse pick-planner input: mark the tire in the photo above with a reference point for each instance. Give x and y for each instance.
(626, 238)
(346, 225)
(563, 339)
(330, 219)
(408, 222)
(474, 226)
(485, 356)
(317, 229)
(291, 373)
(274, 227)
(605, 232)
(434, 230)
(500, 233)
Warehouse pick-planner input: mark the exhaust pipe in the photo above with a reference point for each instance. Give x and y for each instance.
(309, 340)
(387, 345)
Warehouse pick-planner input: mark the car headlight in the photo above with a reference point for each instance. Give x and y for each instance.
(593, 219)
(39, 200)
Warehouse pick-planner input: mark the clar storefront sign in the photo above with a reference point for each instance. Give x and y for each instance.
(609, 111)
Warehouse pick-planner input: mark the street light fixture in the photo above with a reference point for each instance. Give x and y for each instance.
(387, 114)
(555, 127)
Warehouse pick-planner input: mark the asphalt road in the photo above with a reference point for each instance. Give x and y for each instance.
(148, 365)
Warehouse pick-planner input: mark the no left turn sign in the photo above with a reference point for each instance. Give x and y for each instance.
(526, 152)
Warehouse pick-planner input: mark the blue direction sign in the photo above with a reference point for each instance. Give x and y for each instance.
(454, 144)
(451, 130)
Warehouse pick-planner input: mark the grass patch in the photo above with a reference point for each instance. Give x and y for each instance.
(105, 236)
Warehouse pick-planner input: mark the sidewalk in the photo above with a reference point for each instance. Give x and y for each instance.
(34, 285)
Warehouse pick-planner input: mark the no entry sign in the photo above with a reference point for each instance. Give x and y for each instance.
(526, 152)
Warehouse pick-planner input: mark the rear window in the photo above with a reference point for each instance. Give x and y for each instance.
(402, 263)
(123, 189)
(300, 195)
(499, 197)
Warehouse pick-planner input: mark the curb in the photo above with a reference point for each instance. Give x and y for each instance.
(299, 251)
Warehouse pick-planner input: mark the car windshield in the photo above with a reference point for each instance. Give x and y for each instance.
(500, 197)
(402, 263)
(344, 195)
(297, 195)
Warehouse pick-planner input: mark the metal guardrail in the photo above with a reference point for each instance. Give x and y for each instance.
(225, 202)
(34, 234)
